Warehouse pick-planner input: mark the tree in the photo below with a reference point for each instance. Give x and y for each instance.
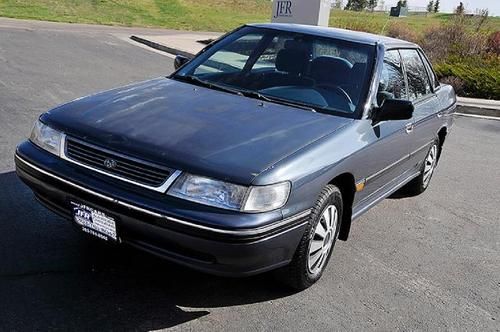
(436, 6)
(460, 9)
(402, 3)
(430, 6)
(357, 5)
(372, 4)
(338, 4)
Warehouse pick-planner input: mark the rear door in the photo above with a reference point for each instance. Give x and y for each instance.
(421, 93)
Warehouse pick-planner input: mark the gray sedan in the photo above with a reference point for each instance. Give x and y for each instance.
(256, 155)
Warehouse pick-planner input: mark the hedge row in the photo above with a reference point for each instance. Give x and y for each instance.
(476, 77)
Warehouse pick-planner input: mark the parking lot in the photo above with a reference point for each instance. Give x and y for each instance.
(425, 263)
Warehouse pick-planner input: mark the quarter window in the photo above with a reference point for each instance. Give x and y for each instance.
(392, 82)
(418, 81)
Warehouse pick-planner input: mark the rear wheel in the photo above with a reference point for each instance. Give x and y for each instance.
(421, 182)
(316, 245)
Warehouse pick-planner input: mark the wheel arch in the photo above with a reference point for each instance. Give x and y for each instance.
(346, 183)
(441, 136)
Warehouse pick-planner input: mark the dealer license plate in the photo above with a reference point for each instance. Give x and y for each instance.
(94, 222)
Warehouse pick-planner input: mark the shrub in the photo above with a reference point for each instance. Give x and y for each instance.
(494, 43)
(457, 84)
(480, 74)
(402, 31)
(454, 39)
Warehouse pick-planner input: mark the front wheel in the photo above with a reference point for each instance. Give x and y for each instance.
(316, 245)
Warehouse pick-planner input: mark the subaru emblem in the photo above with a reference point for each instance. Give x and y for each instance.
(109, 163)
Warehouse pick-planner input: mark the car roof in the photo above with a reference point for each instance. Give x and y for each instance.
(353, 36)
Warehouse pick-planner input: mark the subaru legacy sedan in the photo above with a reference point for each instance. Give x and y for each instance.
(253, 156)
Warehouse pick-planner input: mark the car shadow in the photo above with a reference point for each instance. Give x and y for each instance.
(54, 277)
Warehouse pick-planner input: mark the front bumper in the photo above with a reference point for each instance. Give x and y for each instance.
(162, 229)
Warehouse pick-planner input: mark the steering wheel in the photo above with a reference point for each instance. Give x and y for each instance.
(337, 89)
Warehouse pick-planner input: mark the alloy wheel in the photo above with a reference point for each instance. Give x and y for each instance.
(430, 164)
(322, 239)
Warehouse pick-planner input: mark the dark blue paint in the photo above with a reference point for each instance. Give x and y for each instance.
(242, 140)
(193, 128)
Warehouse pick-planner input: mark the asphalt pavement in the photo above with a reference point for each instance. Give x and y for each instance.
(425, 263)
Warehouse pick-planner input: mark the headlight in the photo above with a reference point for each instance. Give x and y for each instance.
(230, 196)
(46, 137)
(208, 191)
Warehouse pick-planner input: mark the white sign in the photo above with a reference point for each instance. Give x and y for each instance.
(312, 12)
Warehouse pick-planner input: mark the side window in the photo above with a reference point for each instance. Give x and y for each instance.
(231, 58)
(392, 82)
(432, 74)
(418, 81)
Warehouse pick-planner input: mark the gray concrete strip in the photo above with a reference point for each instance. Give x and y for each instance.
(160, 47)
(497, 118)
(186, 44)
(479, 103)
(33, 25)
(476, 110)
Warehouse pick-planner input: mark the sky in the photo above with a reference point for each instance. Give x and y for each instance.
(450, 5)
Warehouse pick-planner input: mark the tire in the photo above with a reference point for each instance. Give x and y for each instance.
(421, 182)
(313, 252)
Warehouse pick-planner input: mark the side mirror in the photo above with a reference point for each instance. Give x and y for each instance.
(394, 109)
(180, 60)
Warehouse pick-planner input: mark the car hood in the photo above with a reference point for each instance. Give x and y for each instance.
(192, 128)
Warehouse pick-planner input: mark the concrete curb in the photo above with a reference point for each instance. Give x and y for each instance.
(490, 108)
(477, 110)
(479, 103)
(484, 107)
(161, 47)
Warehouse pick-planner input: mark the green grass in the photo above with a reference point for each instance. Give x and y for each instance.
(206, 15)
(378, 22)
(202, 15)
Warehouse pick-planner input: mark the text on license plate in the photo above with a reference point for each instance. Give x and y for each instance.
(93, 221)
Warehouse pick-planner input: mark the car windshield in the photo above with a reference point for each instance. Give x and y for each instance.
(322, 74)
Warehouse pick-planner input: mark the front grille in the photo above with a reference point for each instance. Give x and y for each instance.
(117, 164)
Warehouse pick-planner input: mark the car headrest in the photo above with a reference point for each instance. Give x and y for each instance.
(293, 61)
(296, 44)
(330, 69)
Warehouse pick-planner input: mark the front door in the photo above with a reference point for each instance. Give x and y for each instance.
(388, 157)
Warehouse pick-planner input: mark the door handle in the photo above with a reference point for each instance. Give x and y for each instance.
(409, 128)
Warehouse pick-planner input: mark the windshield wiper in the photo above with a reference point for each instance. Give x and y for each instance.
(247, 93)
(198, 81)
(257, 95)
